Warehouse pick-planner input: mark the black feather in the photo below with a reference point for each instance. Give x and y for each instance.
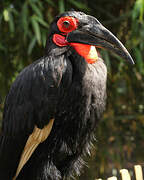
(63, 86)
(81, 101)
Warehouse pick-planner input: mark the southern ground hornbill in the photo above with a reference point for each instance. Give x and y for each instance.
(54, 104)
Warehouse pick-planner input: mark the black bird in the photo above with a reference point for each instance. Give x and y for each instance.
(53, 106)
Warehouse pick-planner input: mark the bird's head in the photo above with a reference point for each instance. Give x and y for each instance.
(85, 33)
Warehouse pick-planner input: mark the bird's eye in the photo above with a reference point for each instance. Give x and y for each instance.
(67, 24)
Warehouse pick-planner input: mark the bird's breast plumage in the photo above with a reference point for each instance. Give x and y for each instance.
(78, 111)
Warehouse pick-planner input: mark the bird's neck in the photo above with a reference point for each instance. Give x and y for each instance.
(88, 52)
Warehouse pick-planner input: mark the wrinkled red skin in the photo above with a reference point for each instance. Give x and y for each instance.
(60, 40)
(73, 24)
(82, 49)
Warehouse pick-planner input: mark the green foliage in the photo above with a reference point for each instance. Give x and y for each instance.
(24, 28)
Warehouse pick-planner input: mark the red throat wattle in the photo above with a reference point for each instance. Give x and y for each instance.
(87, 51)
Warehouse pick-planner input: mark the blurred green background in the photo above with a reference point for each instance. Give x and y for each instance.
(24, 26)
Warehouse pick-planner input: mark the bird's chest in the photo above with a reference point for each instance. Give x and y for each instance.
(79, 109)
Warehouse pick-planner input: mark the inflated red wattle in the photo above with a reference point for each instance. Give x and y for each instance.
(73, 23)
(87, 51)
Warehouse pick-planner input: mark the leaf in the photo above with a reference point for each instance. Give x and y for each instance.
(106, 59)
(24, 18)
(51, 3)
(34, 1)
(31, 45)
(41, 6)
(141, 11)
(0, 18)
(36, 9)
(2, 47)
(36, 29)
(41, 21)
(139, 61)
(15, 12)
(138, 10)
(11, 22)
(61, 6)
(49, 17)
(6, 15)
(44, 37)
(79, 5)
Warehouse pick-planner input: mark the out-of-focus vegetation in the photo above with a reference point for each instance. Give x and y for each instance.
(24, 26)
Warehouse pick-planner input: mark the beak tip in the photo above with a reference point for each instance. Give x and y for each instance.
(130, 59)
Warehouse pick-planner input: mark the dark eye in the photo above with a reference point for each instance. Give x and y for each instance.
(66, 24)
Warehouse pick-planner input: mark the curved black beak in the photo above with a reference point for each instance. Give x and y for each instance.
(94, 33)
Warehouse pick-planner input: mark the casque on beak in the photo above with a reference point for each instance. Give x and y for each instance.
(94, 33)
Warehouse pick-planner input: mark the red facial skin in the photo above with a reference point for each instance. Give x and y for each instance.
(72, 24)
(66, 25)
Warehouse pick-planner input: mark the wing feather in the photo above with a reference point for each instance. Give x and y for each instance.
(37, 137)
(29, 107)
